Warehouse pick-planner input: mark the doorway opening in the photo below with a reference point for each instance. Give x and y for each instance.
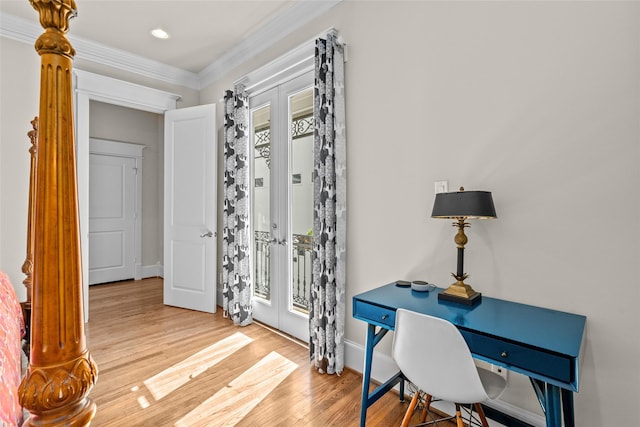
(88, 88)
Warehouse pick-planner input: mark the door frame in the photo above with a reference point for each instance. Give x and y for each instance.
(95, 87)
(132, 151)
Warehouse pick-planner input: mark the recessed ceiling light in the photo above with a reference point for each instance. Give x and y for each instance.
(159, 33)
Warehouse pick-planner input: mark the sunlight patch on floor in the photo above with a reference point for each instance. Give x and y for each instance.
(165, 382)
(143, 402)
(229, 405)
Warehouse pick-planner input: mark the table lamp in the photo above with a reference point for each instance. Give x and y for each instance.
(462, 205)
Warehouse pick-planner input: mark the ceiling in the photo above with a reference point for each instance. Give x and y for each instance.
(202, 32)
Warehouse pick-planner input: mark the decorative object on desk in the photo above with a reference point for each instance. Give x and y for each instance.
(462, 205)
(422, 286)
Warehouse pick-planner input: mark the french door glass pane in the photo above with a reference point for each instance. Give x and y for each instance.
(261, 196)
(301, 182)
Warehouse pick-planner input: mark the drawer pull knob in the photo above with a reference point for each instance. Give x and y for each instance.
(504, 354)
(385, 316)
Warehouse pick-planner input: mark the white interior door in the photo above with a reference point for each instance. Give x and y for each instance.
(190, 208)
(283, 204)
(111, 218)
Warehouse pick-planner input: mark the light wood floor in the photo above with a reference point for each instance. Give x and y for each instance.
(166, 366)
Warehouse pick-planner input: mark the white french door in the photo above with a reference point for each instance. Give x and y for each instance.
(282, 135)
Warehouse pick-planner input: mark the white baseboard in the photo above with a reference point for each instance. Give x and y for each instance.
(383, 367)
(152, 271)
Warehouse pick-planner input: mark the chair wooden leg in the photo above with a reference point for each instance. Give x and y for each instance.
(480, 412)
(459, 421)
(427, 406)
(412, 408)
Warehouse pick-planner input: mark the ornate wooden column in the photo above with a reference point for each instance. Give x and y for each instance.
(61, 371)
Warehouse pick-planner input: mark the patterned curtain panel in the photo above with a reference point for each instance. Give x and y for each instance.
(327, 311)
(236, 278)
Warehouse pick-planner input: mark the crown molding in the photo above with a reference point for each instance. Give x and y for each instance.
(26, 31)
(271, 32)
(126, 61)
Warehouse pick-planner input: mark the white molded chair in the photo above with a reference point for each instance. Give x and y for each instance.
(433, 355)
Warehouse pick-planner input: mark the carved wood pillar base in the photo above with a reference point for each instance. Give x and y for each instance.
(59, 393)
(81, 415)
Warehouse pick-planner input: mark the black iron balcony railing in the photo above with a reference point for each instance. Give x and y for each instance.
(262, 264)
(300, 271)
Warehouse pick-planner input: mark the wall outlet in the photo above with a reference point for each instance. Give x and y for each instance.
(503, 372)
(500, 371)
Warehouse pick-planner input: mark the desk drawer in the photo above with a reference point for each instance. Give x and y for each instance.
(375, 314)
(547, 364)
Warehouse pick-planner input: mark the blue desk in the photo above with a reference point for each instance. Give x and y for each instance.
(540, 343)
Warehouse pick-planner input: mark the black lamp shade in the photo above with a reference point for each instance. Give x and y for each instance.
(468, 204)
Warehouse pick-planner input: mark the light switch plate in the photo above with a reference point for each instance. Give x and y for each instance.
(441, 186)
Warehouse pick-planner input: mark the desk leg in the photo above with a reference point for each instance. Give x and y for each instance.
(366, 375)
(538, 388)
(369, 399)
(555, 402)
(567, 408)
(553, 411)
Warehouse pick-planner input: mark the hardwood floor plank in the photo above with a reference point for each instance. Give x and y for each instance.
(143, 347)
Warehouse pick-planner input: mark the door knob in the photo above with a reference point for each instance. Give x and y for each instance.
(207, 234)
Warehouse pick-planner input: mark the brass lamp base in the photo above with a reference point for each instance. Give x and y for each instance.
(460, 293)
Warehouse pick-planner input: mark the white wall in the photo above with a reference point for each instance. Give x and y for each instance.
(537, 102)
(19, 103)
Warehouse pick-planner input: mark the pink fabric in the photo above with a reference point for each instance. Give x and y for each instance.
(11, 333)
